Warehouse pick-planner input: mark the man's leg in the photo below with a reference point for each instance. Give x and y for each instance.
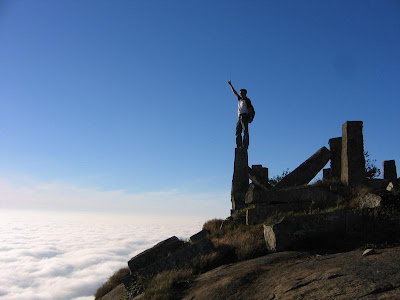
(239, 133)
(245, 126)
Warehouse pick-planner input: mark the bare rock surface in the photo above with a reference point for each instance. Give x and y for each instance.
(297, 275)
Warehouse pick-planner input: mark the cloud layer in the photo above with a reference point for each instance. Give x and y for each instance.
(68, 256)
(25, 193)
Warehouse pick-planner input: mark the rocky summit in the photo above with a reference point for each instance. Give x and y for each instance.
(338, 238)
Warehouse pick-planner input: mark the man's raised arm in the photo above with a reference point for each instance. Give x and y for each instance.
(233, 89)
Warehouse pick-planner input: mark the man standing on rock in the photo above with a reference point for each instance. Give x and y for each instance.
(245, 116)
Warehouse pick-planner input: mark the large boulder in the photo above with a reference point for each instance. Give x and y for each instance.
(369, 200)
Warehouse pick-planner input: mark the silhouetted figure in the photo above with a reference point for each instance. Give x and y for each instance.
(243, 117)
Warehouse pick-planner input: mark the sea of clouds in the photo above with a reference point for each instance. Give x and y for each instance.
(53, 255)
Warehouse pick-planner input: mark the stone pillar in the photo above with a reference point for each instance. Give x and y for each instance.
(304, 173)
(335, 146)
(389, 171)
(240, 181)
(353, 161)
(327, 174)
(259, 174)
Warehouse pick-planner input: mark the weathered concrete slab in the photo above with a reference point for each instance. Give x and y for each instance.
(180, 259)
(256, 194)
(377, 183)
(335, 146)
(353, 227)
(390, 172)
(260, 213)
(259, 175)
(353, 161)
(304, 173)
(159, 251)
(198, 236)
(291, 232)
(300, 199)
(294, 194)
(240, 181)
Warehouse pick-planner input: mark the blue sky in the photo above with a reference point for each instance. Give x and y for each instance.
(128, 102)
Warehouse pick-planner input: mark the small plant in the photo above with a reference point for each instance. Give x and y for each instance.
(276, 179)
(371, 170)
(111, 283)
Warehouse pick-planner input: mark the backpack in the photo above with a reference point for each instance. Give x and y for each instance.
(251, 110)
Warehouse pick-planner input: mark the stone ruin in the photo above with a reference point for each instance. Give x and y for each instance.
(259, 202)
(295, 215)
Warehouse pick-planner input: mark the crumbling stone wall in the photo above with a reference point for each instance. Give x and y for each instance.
(335, 146)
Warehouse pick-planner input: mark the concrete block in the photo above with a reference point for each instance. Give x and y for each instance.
(159, 251)
(261, 213)
(199, 236)
(335, 146)
(346, 228)
(259, 175)
(353, 161)
(327, 174)
(183, 258)
(300, 199)
(304, 173)
(256, 194)
(292, 233)
(240, 181)
(390, 171)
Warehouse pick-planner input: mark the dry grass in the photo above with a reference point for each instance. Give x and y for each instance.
(111, 283)
(213, 226)
(168, 285)
(246, 241)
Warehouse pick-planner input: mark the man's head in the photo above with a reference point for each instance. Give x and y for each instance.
(243, 93)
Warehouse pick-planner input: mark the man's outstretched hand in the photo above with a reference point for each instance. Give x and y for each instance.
(230, 82)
